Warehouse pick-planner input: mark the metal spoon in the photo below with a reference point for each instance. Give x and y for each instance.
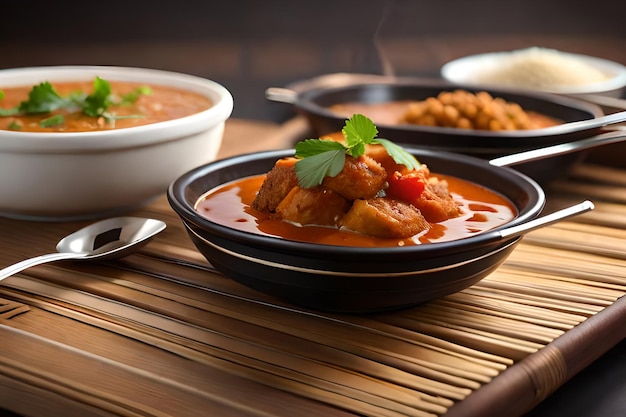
(106, 239)
(561, 149)
(587, 124)
(534, 224)
(548, 219)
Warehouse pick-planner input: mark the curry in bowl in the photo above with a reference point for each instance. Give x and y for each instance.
(375, 195)
(94, 106)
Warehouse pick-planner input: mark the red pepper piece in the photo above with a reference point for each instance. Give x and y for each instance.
(407, 187)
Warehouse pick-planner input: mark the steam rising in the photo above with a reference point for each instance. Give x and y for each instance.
(384, 60)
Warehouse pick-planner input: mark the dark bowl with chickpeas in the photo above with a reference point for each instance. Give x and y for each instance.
(442, 116)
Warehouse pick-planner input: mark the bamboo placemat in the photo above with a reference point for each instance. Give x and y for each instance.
(161, 333)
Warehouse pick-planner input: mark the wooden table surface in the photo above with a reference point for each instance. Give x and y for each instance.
(161, 333)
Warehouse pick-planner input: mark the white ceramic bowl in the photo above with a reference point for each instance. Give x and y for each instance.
(485, 69)
(81, 175)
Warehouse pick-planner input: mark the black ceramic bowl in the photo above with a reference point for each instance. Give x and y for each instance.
(314, 103)
(351, 279)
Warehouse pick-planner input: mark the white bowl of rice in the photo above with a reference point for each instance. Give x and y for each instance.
(542, 69)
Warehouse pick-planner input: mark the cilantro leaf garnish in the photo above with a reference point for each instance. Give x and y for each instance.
(131, 97)
(319, 166)
(43, 98)
(399, 155)
(9, 112)
(320, 158)
(52, 121)
(312, 147)
(97, 102)
(358, 132)
(15, 126)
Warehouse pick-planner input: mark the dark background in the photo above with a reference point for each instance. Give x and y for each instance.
(251, 45)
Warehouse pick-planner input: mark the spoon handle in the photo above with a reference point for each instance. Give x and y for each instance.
(547, 220)
(37, 260)
(560, 149)
(281, 95)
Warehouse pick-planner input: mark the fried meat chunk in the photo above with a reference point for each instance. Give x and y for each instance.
(355, 198)
(312, 206)
(386, 218)
(361, 177)
(278, 183)
(436, 202)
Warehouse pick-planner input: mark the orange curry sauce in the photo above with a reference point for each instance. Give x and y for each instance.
(165, 103)
(229, 205)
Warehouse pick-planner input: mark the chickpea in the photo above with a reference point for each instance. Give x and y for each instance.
(435, 106)
(466, 110)
(464, 123)
(495, 124)
(429, 120)
(482, 121)
(450, 115)
(446, 98)
(470, 110)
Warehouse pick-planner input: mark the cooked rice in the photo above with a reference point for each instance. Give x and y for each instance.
(542, 68)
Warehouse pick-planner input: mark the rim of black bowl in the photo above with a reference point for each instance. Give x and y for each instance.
(179, 197)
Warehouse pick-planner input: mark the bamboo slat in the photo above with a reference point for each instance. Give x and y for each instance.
(162, 333)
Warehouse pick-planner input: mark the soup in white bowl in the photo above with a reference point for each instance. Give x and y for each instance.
(70, 175)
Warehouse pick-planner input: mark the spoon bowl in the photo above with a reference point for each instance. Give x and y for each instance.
(107, 239)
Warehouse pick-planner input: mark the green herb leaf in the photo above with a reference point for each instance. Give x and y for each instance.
(15, 126)
(399, 155)
(312, 170)
(322, 158)
(111, 116)
(42, 99)
(131, 97)
(55, 120)
(9, 112)
(97, 102)
(359, 130)
(311, 147)
(77, 98)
